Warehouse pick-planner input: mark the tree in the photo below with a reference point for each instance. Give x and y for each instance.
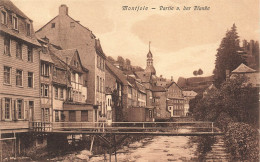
(110, 59)
(195, 73)
(227, 57)
(200, 72)
(234, 98)
(121, 62)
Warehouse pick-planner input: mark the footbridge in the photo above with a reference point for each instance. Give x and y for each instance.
(130, 128)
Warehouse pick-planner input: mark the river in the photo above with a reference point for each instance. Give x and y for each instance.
(158, 148)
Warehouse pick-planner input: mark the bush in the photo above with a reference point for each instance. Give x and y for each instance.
(223, 120)
(242, 141)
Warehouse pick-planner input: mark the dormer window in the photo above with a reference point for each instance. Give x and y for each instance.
(15, 23)
(28, 29)
(3, 17)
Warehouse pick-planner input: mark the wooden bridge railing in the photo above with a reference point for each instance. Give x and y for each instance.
(174, 127)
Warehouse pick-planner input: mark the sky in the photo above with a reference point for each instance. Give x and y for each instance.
(181, 41)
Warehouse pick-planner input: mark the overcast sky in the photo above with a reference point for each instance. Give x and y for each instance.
(182, 41)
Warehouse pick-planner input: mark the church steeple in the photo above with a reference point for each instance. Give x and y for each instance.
(149, 62)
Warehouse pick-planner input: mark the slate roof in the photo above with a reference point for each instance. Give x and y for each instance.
(158, 89)
(143, 76)
(8, 5)
(242, 68)
(98, 48)
(168, 86)
(117, 72)
(189, 93)
(64, 54)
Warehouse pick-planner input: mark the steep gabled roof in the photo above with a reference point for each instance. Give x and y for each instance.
(189, 93)
(66, 55)
(98, 48)
(117, 72)
(242, 68)
(168, 86)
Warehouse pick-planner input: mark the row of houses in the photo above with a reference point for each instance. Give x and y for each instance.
(60, 74)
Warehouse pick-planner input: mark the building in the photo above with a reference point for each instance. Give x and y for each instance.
(251, 51)
(115, 84)
(208, 90)
(19, 79)
(131, 103)
(63, 85)
(188, 95)
(68, 33)
(252, 75)
(175, 100)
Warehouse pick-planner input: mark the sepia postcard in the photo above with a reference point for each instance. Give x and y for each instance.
(129, 80)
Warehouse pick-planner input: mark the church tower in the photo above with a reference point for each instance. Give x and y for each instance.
(149, 63)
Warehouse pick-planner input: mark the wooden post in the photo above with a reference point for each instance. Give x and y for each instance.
(110, 154)
(92, 142)
(14, 145)
(115, 147)
(1, 150)
(212, 127)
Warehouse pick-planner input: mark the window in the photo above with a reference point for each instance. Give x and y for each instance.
(7, 43)
(45, 68)
(3, 17)
(84, 116)
(72, 24)
(61, 93)
(56, 92)
(31, 109)
(53, 25)
(98, 61)
(18, 50)
(15, 23)
(7, 108)
(56, 116)
(97, 83)
(101, 85)
(7, 75)
(45, 114)
(19, 77)
(46, 90)
(30, 54)
(28, 29)
(55, 71)
(42, 89)
(30, 79)
(20, 109)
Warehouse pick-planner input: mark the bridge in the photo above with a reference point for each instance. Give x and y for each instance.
(107, 132)
(122, 128)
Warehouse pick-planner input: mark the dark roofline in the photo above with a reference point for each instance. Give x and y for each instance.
(171, 85)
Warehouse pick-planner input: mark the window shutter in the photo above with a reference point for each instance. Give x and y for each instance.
(25, 111)
(14, 113)
(3, 109)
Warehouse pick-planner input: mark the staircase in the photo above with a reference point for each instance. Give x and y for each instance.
(218, 152)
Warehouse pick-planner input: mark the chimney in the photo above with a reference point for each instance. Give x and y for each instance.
(171, 78)
(63, 10)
